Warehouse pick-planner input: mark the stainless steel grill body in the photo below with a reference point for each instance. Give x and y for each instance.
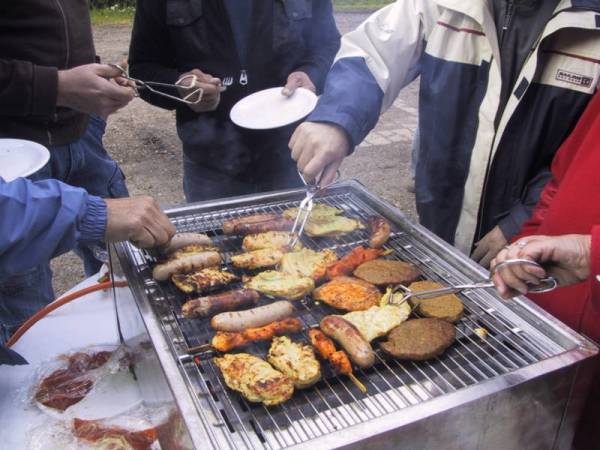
(521, 387)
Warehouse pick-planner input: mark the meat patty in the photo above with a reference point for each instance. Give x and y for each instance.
(419, 339)
(445, 307)
(383, 272)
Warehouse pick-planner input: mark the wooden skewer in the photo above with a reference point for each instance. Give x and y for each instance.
(357, 383)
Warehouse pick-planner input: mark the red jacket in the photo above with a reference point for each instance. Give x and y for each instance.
(570, 203)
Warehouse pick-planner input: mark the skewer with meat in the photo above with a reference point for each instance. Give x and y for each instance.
(338, 358)
(347, 335)
(225, 341)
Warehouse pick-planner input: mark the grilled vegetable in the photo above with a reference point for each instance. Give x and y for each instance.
(358, 349)
(350, 294)
(185, 260)
(203, 280)
(268, 239)
(229, 226)
(331, 226)
(255, 379)
(295, 360)
(380, 231)
(307, 263)
(256, 259)
(346, 265)
(378, 321)
(224, 341)
(279, 284)
(252, 318)
(215, 304)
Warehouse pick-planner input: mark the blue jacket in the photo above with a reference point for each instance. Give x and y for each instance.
(44, 219)
(471, 174)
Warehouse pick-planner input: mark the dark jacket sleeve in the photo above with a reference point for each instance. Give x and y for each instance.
(27, 89)
(323, 43)
(151, 52)
(43, 219)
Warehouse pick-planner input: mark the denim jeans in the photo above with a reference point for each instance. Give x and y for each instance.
(222, 160)
(86, 164)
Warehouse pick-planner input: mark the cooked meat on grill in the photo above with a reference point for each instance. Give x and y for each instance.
(215, 304)
(252, 318)
(326, 349)
(279, 284)
(380, 231)
(185, 260)
(202, 281)
(383, 272)
(331, 226)
(346, 265)
(307, 263)
(181, 240)
(420, 339)
(268, 239)
(347, 293)
(377, 321)
(446, 307)
(256, 259)
(359, 350)
(255, 379)
(319, 211)
(225, 341)
(295, 360)
(230, 225)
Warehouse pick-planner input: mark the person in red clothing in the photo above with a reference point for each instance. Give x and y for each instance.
(564, 235)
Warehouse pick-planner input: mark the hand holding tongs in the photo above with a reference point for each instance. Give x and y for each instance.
(306, 206)
(193, 98)
(545, 284)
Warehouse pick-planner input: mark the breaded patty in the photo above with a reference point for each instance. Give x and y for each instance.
(446, 307)
(419, 339)
(383, 272)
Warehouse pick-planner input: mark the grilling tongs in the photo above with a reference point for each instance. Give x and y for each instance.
(545, 285)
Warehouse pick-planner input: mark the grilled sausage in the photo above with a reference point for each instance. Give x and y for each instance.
(252, 318)
(186, 263)
(181, 240)
(380, 231)
(358, 349)
(229, 225)
(277, 224)
(214, 304)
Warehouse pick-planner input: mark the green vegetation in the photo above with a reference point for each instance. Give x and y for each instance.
(121, 13)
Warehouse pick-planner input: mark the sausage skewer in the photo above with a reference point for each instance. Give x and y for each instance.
(338, 359)
(225, 341)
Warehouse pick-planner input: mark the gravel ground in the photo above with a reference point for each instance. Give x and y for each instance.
(143, 140)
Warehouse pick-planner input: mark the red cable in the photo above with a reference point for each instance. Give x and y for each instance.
(57, 304)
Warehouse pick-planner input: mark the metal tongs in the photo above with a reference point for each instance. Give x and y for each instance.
(546, 284)
(306, 206)
(193, 98)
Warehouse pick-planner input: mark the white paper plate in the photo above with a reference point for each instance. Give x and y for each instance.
(270, 109)
(19, 158)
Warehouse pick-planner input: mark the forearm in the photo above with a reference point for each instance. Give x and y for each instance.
(44, 219)
(595, 265)
(27, 89)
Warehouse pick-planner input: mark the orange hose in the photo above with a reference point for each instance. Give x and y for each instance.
(57, 304)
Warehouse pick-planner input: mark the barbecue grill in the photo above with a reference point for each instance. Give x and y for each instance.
(518, 386)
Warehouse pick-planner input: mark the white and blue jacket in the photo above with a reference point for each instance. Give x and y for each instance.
(470, 175)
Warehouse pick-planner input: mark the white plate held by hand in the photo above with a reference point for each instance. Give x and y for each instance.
(19, 158)
(268, 109)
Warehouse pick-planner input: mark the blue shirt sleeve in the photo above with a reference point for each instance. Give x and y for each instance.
(40, 220)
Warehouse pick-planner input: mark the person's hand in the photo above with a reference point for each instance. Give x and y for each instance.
(319, 148)
(211, 87)
(296, 80)
(139, 220)
(566, 258)
(489, 246)
(93, 89)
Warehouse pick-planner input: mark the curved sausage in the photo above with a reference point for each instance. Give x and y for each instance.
(277, 224)
(215, 304)
(252, 318)
(230, 225)
(186, 263)
(181, 240)
(347, 335)
(380, 231)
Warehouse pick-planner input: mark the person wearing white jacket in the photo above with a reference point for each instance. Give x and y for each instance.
(502, 85)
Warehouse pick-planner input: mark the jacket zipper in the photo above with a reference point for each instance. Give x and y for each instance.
(64, 17)
(508, 16)
(243, 77)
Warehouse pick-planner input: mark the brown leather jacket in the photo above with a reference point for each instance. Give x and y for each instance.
(37, 39)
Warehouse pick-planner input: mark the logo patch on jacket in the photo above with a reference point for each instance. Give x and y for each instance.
(573, 78)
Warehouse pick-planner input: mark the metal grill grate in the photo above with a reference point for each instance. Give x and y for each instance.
(335, 403)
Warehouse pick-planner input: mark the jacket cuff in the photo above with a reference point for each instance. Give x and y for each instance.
(595, 265)
(93, 225)
(45, 90)
(513, 221)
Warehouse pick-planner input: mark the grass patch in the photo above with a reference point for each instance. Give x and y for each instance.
(359, 5)
(112, 16)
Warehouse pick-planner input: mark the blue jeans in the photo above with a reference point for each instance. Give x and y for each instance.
(83, 163)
